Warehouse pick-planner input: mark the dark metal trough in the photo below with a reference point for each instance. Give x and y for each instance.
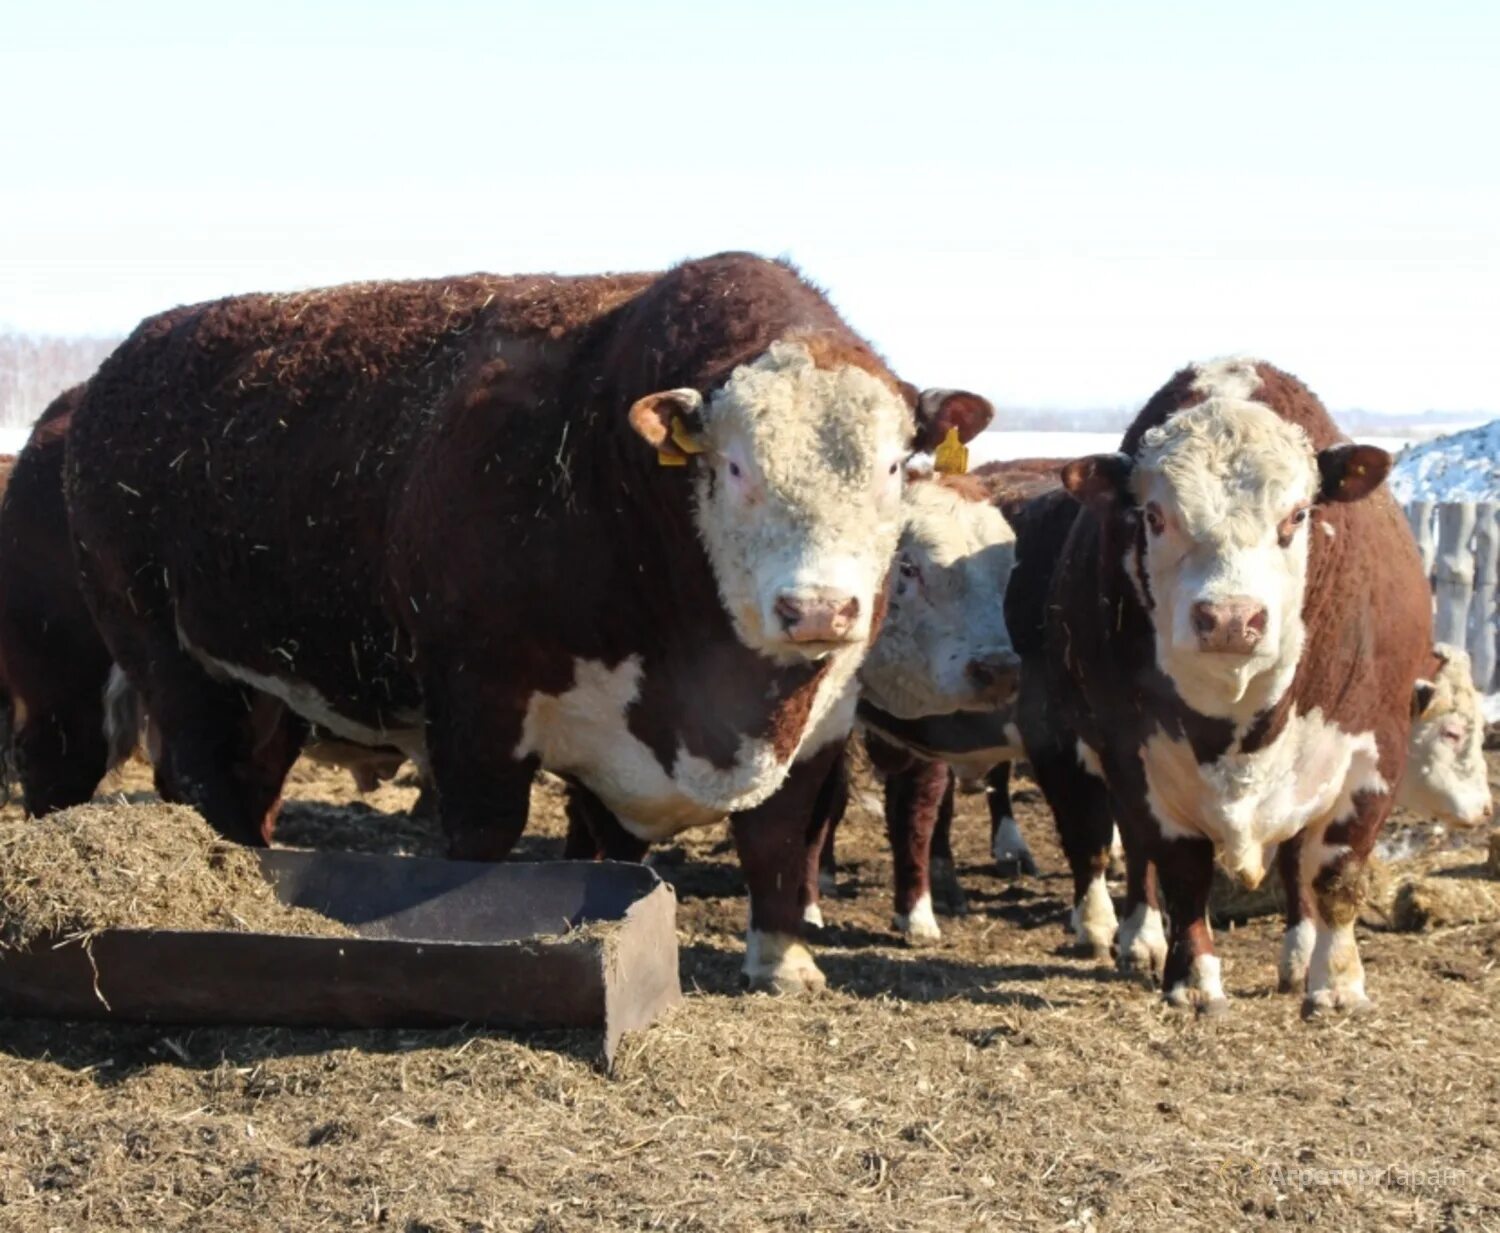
(565, 944)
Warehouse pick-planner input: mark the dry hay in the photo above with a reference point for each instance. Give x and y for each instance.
(996, 1081)
(113, 865)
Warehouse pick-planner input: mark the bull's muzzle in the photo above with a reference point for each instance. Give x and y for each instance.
(1232, 626)
(818, 616)
(994, 676)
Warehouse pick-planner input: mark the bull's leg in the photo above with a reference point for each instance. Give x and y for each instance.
(1080, 805)
(1142, 941)
(594, 833)
(947, 892)
(1297, 941)
(779, 842)
(1007, 844)
(483, 790)
(828, 811)
(223, 750)
(60, 750)
(1185, 870)
(1333, 867)
(913, 800)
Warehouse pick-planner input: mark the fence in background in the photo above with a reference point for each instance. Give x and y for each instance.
(1460, 546)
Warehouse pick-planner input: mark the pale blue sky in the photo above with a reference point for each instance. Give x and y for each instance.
(1053, 203)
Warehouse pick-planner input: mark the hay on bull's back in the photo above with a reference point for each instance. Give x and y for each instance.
(111, 866)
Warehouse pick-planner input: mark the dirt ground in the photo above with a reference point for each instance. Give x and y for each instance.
(996, 1081)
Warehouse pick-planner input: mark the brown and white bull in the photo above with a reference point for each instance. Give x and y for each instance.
(634, 529)
(1229, 645)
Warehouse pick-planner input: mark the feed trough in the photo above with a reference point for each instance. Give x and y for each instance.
(567, 944)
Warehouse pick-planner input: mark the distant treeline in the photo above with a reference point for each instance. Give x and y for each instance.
(34, 370)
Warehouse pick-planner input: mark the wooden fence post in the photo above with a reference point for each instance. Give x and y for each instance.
(1453, 572)
(1482, 633)
(1419, 514)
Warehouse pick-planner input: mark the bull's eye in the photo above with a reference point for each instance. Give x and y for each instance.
(734, 469)
(1454, 735)
(895, 466)
(1290, 523)
(908, 569)
(1154, 521)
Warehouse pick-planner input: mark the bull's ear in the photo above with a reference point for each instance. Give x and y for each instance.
(1098, 480)
(941, 411)
(1422, 694)
(672, 421)
(1351, 472)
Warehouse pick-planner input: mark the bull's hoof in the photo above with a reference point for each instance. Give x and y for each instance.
(1093, 943)
(918, 927)
(780, 963)
(812, 916)
(1330, 1002)
(1012, 857)
(1142, 945)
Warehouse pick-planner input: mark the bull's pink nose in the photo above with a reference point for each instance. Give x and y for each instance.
(817, 616)
(995, 674)
(1232, 626)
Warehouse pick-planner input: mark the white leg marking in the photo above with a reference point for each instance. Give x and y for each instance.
(812, 915)
(780, 963)
(1093, 920)
(1116, 845)
(1009, 846)
(1296, 954)
(1143, 942)
(919, 926)
(1202, 986)
(1335, 976)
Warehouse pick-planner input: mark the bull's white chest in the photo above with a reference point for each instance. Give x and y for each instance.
(1306, 777)
(584, 732)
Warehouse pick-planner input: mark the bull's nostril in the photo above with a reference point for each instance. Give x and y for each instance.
(1205, 619)
(788, 610)
(1257, 622)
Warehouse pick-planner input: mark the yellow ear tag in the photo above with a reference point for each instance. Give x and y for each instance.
(683, 440)
(952, 456)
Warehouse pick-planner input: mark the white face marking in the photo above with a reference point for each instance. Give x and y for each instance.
(1143, 940)
(919, 926)
(584, 732)
(1202, 986)
(946, 609)
(1446, 775)
(1224, 488)
(780, 963)
(1248, 803)
(800, 499)
(1296, 954)
(1231, 377)
(1093, 918)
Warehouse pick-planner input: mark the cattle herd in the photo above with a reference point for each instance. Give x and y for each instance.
(670, 537)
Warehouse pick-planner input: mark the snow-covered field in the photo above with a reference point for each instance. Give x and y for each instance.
(1463, 466)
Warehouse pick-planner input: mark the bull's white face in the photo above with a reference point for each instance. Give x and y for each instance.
(799, 503)
(944, 646)
(1446, 773)
(1225, 490)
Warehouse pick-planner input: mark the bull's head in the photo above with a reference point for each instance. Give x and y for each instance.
(1223, 492)
(1446, 773)
(944, 646)
(798, 472)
